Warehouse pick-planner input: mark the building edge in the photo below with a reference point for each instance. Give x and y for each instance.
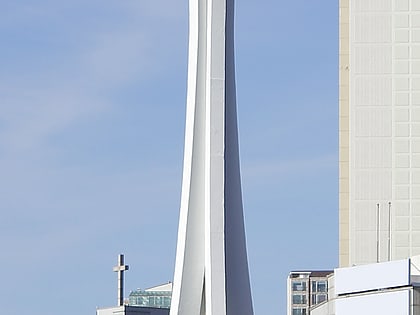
(344, 133)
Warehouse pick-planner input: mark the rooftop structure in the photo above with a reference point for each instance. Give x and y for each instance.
(159, 296)
(156, 299)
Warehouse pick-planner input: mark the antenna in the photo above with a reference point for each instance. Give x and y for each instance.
(377, 233)
(389, 231)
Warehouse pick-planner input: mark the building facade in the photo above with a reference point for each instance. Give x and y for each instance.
(157, 297)
(379, 133)
(306, 289)
(386, 288)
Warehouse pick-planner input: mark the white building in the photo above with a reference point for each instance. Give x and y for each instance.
(379, 130)
(379, 162)
(387, 288)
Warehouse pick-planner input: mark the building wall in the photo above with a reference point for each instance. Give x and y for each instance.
(384, 303)
(344, 183)
(416, 301)
(328, 307)
(305, 289)
(132, 310)
(379, 288)
(379, 130)
(324, 309)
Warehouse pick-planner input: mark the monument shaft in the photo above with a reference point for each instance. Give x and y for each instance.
(211, 271)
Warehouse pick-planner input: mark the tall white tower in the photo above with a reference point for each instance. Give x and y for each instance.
(379, 130)
(211, 270)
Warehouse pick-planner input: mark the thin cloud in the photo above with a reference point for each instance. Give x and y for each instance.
(289, 167)
(116, 57)
(28, 121)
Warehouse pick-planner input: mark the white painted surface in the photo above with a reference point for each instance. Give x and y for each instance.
(211, 270)
(327, 308)
(384, 138)
(389, 303)
(167, 287)
(372, 277)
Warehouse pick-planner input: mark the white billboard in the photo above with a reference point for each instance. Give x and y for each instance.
(389, 303)
(372, 277)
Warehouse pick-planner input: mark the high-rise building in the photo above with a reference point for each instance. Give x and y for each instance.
(379, 136)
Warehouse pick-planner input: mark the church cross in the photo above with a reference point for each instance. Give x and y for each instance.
(120, 268)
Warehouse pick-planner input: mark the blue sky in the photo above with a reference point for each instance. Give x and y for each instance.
(92, 113)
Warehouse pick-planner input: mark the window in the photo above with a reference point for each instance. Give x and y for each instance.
(161, 299)
(321, 298)
(299, 286)
(322, 286)
(318, 298)
(319, 286)
(299, 299)
(299, 311)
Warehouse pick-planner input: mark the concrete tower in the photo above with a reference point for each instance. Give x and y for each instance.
(379, 130)
(211, 270)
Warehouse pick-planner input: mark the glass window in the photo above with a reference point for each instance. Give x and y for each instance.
(150, 298)
(322, 286)
(321, 298)
(166, 301)
(298, 286)
(318, 298)
(319, 286)
(144, 300)
(299, 311)
(313, 299)
(299, 299)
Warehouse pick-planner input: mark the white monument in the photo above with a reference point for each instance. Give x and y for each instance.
(211, 272)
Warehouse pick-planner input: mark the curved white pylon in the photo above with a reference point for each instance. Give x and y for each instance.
(211, 271)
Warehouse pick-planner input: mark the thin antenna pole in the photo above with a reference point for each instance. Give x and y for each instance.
(377, 233)
(389, 231)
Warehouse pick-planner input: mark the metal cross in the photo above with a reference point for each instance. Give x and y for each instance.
(120, 269)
